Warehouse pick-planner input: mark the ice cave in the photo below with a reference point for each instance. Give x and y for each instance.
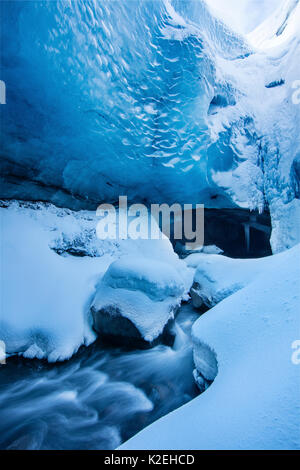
(131, 341)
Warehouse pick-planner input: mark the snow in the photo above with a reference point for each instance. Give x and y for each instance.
(155, 278)
(279, 27)
(45, 296)
(143, 290)
(45, 311)
(148, 316)
(242, 15)
(218, 276)
(263, 124)
(253, 402)
(285, 224)
(211, 250)
(192, 112)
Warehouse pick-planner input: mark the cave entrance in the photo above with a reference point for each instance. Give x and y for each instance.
(240, 233)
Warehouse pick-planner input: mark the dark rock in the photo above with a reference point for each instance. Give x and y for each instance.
(117, 330)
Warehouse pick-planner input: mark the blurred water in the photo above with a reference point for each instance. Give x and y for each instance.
(99, 398)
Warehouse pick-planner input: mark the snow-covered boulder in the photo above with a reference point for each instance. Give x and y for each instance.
(253, 402)
(218, 276)
(137, 299)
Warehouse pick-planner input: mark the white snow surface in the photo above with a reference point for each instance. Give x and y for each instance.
(242, 15)
(155, 278)
(145, 291)
(285, 224)
(219, 276)
(46, 297)
(253, 402)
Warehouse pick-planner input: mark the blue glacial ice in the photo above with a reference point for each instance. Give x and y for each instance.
(107, 98)
(157, 100)
(160, 101)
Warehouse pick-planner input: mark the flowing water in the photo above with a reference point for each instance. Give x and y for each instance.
(99, 398)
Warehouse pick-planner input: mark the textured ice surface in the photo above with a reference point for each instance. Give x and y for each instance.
(183, 114)
(98, 113)
(253, 402)
(277, 42)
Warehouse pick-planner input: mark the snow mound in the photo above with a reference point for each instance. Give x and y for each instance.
(253, 402)
(147, 292)
(46, 296)
(218, 276)
(156, 279)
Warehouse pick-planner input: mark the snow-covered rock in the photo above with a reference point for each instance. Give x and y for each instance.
(137, 299)
(253, 402)
(47, 291)
(218, 276)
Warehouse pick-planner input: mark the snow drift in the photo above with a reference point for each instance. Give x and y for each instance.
(217, 276)
(253, 402)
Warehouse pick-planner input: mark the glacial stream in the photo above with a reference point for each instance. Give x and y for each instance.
(99, 398)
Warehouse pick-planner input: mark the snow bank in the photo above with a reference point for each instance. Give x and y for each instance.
(45, 296)
(253, 402)
(46, 290)
(147, 292)
(218, 276)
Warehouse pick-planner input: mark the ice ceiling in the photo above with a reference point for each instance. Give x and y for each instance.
(139, 98)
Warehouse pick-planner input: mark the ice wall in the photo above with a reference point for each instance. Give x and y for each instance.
(109, 98)
(157, 100)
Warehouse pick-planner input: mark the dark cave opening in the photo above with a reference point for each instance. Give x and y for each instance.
(239, 233)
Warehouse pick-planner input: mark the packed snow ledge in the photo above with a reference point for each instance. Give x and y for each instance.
(253, 402)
